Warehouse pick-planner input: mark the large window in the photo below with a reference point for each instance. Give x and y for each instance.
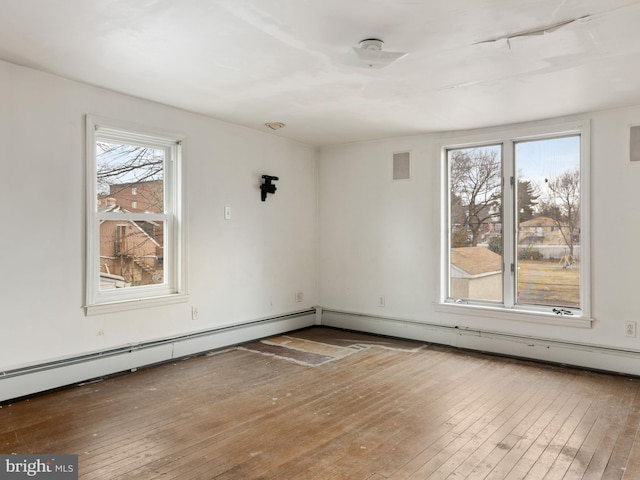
(134, 217)
(517, 222)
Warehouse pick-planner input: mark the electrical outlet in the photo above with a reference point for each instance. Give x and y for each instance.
(195, 313)
(630, 329)
(299, 296)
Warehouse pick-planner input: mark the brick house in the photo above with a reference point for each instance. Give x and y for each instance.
(133, 250)
(137, 197)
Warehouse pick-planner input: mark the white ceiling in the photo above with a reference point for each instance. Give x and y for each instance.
(471, 63)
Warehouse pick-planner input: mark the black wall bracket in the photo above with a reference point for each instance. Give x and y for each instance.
(267, 186)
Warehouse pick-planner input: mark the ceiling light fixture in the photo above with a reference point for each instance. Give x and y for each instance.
(370, 52)
(274, 125)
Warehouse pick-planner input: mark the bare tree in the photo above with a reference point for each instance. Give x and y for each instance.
(476, 183)
(563, 205)
(131, 179)
(121, 166)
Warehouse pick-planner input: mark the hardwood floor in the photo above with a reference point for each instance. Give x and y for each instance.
(345, 406)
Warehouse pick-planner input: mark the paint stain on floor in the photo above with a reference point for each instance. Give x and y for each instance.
(314, 353)
(299, 351)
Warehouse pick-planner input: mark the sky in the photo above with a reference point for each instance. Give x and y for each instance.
(538, 160)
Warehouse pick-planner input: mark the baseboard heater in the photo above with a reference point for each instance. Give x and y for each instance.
(558, 352)
(19, 382)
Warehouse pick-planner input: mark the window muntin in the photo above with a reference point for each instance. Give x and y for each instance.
(561, 147)
(134, 242)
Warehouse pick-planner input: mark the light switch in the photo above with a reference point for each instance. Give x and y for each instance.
(227, 213)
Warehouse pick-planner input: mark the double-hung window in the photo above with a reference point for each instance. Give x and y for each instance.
(134, 218)
(516, 221)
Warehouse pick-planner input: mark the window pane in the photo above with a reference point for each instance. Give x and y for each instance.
(548, 221)
(475, 211)
(130, 178)
(131, 254)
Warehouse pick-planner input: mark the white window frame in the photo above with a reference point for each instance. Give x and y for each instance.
(173, 289)
(508, 309)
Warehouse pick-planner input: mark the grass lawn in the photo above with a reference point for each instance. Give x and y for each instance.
(547, 283)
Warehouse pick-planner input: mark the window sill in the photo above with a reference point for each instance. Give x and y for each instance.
(498, 313)
(124, 305)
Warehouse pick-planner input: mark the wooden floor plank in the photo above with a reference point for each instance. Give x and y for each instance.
(542, 450)
(428, 441)
(320, 418)
(632, 467)
(594, 455)
(558, 443)
(390, 409)
(514, 463)
(483, 459)
(617, 461)
(389, 445)
(470, 441)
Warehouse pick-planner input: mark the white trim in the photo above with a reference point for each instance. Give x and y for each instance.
(31, 379)
(507, 137)
(586, 254)
(173, 290)
(509, 245)
(135, 303)
(514, 314)
(119, 130)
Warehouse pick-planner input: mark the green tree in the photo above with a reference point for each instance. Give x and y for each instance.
(527, 200)
(495, 245)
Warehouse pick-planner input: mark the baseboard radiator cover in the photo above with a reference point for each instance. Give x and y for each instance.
(591, 357)
(42, 377)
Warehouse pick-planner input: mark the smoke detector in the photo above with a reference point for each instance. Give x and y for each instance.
(370, 52)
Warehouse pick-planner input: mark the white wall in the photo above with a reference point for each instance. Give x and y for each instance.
(380, 237)
(338, 228)
(239, 270)
(377, 235)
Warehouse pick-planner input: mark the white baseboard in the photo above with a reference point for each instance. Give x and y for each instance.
(39, 378)
(592, 357)
(42, 377)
